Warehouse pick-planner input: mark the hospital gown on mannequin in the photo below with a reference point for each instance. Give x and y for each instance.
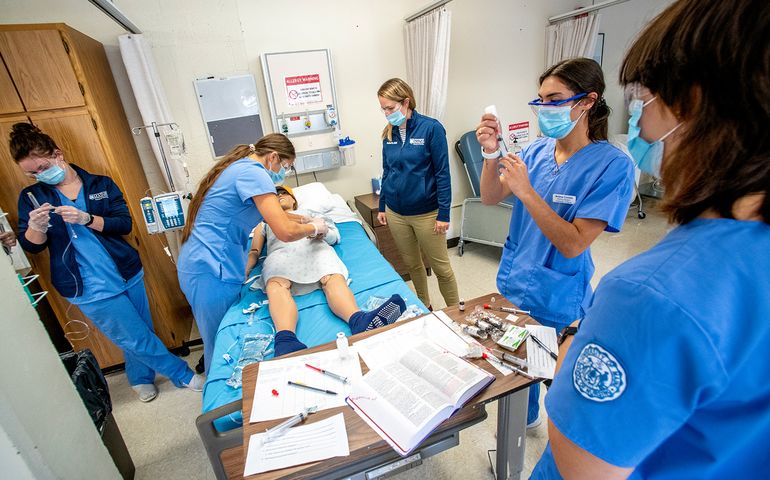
(289, 259)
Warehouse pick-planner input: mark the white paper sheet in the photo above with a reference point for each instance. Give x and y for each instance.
(275, 375)
(387, 346)
(302, 444)
(541, 364)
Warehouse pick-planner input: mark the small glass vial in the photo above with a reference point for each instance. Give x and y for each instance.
(462, 305)
(475, 332)
(483, 325)
(342, 344)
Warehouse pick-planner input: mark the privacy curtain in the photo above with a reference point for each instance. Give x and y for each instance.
(427, 60)
(575, 37)
(151, 100)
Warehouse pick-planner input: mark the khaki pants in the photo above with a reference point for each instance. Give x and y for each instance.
(413, 233)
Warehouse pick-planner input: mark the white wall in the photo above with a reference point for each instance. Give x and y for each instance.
(497, 54)
(43, 422)
(621, 24)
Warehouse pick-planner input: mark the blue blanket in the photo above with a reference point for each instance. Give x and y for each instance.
(370, 275)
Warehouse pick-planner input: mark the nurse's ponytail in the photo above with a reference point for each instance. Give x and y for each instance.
(272, 142)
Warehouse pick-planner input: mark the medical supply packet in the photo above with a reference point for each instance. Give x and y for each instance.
(513, 337)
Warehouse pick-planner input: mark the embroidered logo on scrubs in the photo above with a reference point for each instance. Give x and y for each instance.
(98, 196)
(417, 141)
(391, 143)
(562, 198)
(598, 375)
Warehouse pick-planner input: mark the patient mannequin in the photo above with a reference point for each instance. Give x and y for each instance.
(300, 267)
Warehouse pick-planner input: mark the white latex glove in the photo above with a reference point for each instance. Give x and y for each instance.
(321, 227)
(73, 215)
(39, 218)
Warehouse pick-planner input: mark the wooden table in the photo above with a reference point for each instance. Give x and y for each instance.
(368, 450)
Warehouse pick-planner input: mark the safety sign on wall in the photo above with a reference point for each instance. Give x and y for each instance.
(518, 131)
(303, 89)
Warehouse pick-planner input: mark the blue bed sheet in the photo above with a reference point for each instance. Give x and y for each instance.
(370, 275)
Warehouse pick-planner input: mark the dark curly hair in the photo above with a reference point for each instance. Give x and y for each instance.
(26, 139)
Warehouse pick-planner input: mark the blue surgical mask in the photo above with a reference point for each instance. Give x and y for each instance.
(53, 175)
(556, 122)
(396, 118)
(647, 156)
(277, 177)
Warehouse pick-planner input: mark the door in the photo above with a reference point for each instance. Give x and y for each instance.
(9, 98)
(40, 68)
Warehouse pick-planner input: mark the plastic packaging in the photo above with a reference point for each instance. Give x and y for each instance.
(475, 332)
(256, 347)
(373, 302)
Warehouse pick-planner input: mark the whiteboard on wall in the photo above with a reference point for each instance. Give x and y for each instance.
(298, 82)
(230, 110)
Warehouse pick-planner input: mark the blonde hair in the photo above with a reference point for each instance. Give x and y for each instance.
(397, 90)
(272, 142)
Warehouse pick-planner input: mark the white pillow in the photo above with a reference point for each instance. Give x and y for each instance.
(314, 193)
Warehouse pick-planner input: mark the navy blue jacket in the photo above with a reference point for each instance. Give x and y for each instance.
(415, 170)
(103, 198)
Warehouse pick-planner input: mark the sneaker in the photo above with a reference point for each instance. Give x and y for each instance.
(146, 391)
(196, 383)
(535, 423)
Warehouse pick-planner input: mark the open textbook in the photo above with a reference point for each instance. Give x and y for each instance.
(405, 400)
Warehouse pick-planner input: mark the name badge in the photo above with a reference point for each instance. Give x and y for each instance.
(98, 196)
(417, 141)
(562, 198)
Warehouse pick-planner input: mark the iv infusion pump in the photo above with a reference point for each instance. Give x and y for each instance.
(163, 212)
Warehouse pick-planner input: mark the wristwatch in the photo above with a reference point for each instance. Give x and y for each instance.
(566, 332)
(90, 220)
(490, 156)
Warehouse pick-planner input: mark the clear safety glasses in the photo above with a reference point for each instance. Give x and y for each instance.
(537, 104)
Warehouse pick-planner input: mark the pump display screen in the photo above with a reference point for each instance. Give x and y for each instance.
(170, 211)
(169, 207)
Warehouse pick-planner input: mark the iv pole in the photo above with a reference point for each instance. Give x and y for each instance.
(154, 126)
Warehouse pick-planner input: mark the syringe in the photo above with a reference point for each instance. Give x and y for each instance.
(500, 142)
(280, 429)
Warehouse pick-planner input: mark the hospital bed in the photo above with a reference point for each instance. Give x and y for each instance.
(370, 276)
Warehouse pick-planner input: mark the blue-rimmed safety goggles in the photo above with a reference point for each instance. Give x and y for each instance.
(537, 103)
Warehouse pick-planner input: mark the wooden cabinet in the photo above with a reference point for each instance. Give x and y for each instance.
(59, 79)
(368, 206)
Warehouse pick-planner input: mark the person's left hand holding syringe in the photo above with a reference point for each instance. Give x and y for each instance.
(72, 215)
(514, 174)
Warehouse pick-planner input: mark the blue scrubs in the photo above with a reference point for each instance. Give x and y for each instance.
(669, 371)
(212, 262)
(120, 308)
(596, 183)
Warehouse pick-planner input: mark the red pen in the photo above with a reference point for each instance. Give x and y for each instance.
(326, 372)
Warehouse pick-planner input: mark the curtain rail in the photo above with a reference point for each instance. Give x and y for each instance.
(429, 8)
(581, 11)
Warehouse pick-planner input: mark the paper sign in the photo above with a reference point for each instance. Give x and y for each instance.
(518, 131)
(303, 89)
